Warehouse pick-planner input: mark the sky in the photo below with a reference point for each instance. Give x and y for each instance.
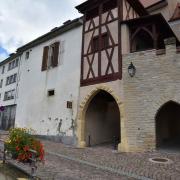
(21, 21)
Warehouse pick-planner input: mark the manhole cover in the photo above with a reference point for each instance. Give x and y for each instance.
(160, 160)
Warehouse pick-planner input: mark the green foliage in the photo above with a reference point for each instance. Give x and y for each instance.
(20, 142)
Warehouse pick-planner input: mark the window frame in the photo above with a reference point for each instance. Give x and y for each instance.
(9, 95)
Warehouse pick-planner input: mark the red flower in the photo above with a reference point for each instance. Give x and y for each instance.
(17, 148)
(26, 148)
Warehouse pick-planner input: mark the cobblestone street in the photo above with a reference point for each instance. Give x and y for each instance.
(57, 168)
(103, 163)
(134, 165)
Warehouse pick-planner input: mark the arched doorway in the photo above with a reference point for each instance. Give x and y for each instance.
(168, 125)
(102, 120)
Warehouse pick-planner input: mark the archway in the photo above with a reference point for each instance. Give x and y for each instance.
(123, 146)
(142, 40)
(168, 126)
(102, 120)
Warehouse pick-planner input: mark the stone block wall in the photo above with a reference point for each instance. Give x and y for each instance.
(156, 82)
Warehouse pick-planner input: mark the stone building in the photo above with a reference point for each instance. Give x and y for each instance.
(129, 75)
(111, 76)
(9, 79)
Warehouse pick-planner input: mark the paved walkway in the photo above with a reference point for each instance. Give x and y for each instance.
(135, 165)
(102, 163)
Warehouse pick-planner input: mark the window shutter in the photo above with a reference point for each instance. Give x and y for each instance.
(45, 58)
(56, 54)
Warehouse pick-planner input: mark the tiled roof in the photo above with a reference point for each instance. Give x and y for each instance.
(148, 3)
(176, 15)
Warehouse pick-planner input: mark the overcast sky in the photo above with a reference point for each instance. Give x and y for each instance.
(22, 21)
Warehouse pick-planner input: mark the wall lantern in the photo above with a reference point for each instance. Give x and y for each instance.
(132, 70)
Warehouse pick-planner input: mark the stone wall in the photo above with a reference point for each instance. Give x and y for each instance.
(156, 82)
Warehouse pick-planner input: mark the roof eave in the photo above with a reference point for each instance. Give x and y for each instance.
(73, 24)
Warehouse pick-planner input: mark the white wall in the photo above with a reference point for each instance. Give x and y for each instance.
(35, 109)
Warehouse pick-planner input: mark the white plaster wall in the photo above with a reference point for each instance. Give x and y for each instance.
(35, 109)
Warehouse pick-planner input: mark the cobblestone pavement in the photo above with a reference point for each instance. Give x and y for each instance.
(132, 164)
(57, 168)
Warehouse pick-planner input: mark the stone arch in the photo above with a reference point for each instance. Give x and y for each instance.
(167, 124)
(82, 112)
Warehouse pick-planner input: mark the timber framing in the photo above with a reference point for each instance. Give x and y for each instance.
(109, 50)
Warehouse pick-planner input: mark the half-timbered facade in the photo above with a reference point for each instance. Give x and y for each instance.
(113, 31)
(101, 52)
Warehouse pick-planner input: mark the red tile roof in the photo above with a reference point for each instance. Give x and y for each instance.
(176, 15)
(148, 3)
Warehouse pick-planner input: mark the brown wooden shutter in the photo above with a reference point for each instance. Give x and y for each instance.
(45, 58)
(56, 54)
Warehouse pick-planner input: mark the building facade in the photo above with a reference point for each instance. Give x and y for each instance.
(9, 70)
(49, 83)
(109, 77)
(119, 37)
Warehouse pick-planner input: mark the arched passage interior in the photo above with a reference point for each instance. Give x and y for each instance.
(102, 120)
(168, 125)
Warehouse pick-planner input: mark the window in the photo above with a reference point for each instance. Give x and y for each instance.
(17, 62)
(51, 93)
(13, 64)
(95, 44)
(69, 104)
(11, 79)
(50, 56)
(9, 95)
(27, 55)
(1, 83)
(105, 41)
(3, 69)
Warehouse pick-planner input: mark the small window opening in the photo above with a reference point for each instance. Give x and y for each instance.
(51, 92)
(69, 104)
(27, 54)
